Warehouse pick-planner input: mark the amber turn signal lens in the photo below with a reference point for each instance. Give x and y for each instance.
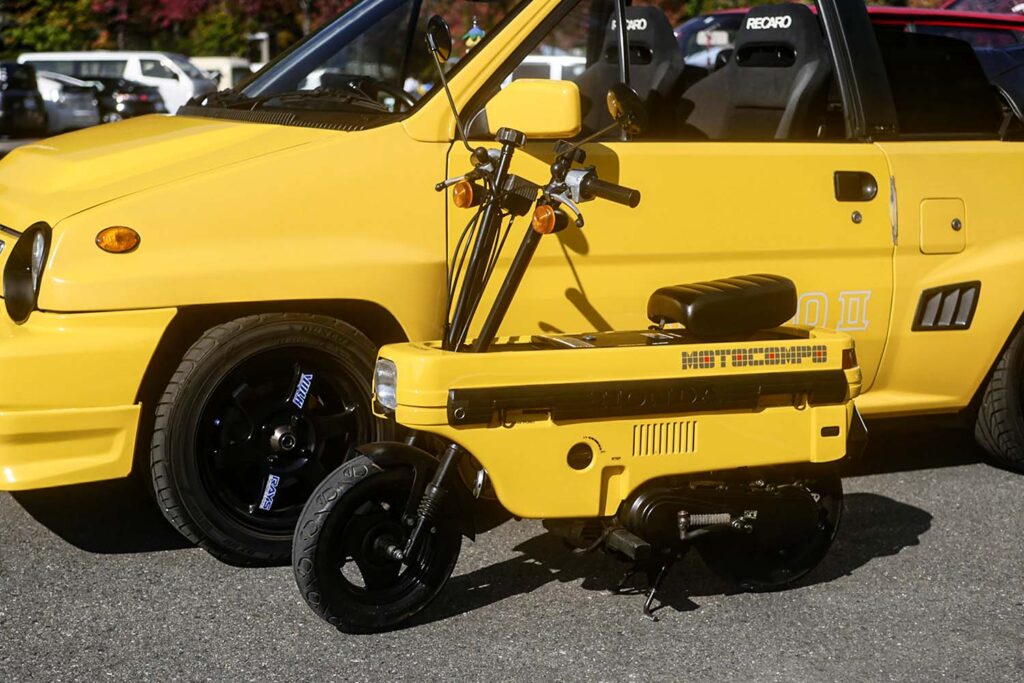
(118, 240)
(463, 194)
(544, 219)
(849, 359)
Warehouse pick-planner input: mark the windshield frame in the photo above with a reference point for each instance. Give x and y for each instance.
(344, 29)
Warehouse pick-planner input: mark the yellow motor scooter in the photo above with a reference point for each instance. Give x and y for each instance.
(717, 428)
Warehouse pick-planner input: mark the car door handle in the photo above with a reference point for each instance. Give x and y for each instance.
(855, 186)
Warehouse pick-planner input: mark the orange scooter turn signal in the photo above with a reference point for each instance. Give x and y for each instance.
(547, 219)
(466, 195)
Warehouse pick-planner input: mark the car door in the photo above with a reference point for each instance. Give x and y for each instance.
(817, 212)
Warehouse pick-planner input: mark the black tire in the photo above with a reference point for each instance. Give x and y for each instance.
(754, 565)
(999, 428)
(235, 453)
(356, 505)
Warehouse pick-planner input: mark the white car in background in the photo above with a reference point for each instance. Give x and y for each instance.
(227, 72)
(70, 103)
(177, 78)
(550, 67)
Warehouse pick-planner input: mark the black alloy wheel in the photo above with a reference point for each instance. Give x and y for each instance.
(260, 410)
(273, 429)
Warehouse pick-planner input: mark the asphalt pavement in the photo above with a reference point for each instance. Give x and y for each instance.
(924, 583)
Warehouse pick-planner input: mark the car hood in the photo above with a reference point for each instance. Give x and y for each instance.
(58, 177)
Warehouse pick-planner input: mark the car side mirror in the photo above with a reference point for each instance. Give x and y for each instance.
(540, 108)
(627, 109)
(439, 38)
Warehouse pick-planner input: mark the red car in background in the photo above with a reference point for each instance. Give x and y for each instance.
(997, 6)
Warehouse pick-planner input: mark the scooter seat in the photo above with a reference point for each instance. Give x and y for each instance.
(726, 308)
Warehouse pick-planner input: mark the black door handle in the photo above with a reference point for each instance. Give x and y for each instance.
(855, 186)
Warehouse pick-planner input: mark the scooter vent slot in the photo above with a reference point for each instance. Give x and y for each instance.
(665, 438)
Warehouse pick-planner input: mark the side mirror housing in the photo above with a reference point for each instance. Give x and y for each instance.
(540, 108)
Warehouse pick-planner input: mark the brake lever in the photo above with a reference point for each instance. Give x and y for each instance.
(475, 174)
(562, 199)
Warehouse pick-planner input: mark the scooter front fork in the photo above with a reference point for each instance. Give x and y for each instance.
(429, 505)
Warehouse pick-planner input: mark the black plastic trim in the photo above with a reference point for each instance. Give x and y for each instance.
(863, 83)
(10, 231)
(593, 400)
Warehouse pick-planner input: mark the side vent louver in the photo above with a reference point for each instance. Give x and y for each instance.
(665, 438)
(947, 308)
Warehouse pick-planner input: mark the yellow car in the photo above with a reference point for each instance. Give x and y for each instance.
(202, 295)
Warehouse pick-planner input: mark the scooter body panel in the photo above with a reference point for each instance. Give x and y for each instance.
(570, 426)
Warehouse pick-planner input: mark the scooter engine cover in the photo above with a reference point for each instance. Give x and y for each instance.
(782, 516)
(725, 308)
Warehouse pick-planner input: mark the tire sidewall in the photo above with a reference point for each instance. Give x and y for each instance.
(216, 529)
(312, 573)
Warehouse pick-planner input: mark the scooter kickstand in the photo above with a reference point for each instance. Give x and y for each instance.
(663, 569)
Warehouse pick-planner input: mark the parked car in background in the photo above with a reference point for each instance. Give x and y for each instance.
(226, 72)
(553, 67)
(22, 112)
(177, 79)
(70, 103)
(122, 99)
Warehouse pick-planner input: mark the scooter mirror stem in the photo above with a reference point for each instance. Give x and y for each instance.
(451, 102)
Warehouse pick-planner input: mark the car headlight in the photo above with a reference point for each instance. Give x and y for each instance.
(385, 383)
(24, 272)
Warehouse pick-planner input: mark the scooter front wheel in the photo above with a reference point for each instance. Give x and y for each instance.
(339, 553)
(758, 564)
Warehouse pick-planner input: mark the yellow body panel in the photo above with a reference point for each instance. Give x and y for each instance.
(68, 391)
(240, 212)
(525, 452)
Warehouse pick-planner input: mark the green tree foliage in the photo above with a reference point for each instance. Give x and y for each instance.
(27, 25)
(219, 31)
(221, 26)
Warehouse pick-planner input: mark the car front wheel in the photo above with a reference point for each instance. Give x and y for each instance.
(258, 412)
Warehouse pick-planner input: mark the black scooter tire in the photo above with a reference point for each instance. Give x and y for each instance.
(339, 518)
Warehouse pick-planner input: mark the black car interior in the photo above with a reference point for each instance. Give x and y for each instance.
(777, 81)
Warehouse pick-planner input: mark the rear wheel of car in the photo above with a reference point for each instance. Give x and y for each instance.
(258, 412)
(1000, 425)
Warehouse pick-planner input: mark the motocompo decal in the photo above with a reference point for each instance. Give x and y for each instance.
(755, 357)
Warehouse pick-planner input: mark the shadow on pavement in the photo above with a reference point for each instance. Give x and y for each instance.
(873, 526)
(118, 517)
(109, 517)
(905, 446)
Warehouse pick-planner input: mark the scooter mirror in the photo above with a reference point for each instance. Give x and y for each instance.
(627, 109)
(439, 38)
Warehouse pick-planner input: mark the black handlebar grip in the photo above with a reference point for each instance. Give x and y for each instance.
(595, 187)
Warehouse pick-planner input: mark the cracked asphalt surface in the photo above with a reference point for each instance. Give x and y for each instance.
(924, 583)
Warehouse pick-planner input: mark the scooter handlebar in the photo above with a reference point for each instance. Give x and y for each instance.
(595, 187)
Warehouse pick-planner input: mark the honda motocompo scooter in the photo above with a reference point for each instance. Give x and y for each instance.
(717, 428)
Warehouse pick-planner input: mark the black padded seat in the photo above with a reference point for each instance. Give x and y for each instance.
(655, 68)
(773, 85)
(726, 308)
